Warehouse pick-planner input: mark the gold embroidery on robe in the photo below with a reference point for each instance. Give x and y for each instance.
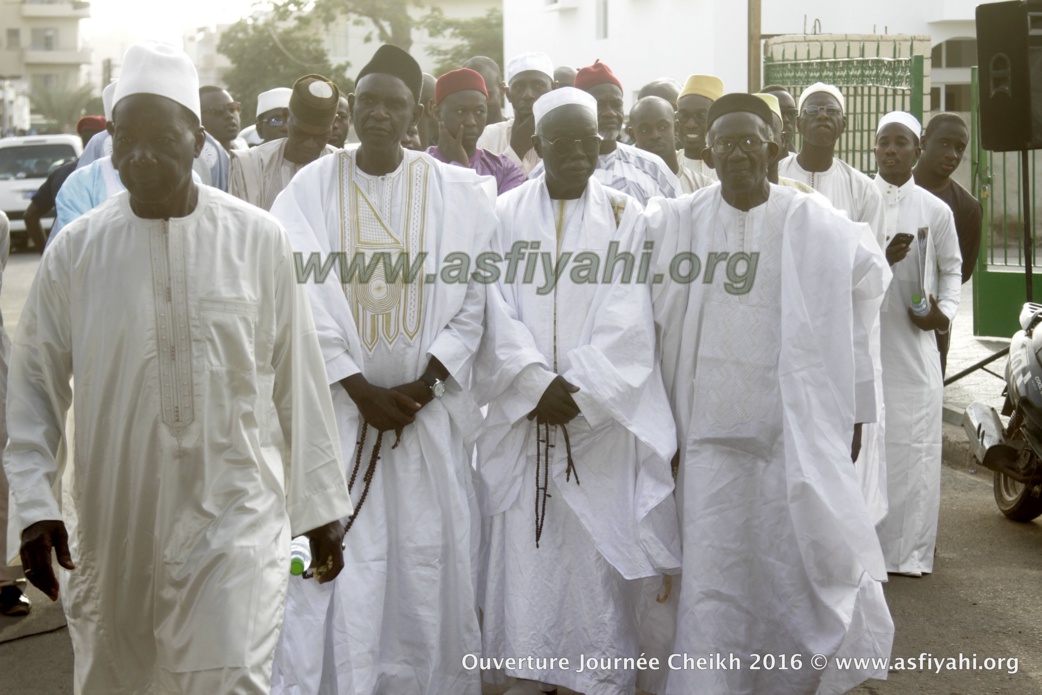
(385, 310)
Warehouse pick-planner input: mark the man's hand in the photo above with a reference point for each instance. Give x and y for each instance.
(384, 409)
(934, 321)
(855, 443)
(37, 542)
(451, 146)
(521, 136)
(417, 390)
(327, 551)
(896, 253)
(556, 406)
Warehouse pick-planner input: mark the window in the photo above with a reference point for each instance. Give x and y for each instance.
(957, 97)
(14, 38)
(44, 39)
(955, 53)
(602, 19)
(33, 161)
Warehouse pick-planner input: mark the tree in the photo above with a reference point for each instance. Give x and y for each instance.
(62, 105)
(266, 55)
(390, 19)
(471, 37)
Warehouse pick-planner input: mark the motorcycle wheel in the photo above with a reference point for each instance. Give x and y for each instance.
(1015, 500)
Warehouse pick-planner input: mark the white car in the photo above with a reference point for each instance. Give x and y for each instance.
(25, 163)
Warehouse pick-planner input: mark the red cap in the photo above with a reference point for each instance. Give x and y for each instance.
(458, 81)
(90, 123)
(595, 74)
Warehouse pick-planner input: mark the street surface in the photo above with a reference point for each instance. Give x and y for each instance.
(984, 598)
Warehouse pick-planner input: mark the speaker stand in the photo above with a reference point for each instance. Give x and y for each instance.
(1026, 194)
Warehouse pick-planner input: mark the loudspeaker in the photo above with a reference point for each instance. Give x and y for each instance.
(1009, 63)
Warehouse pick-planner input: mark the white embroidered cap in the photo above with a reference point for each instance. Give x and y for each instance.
(827, 89)
(563, 97)
(277, 98)
(106, 99)
(529, 61)
(160, 69)
(904, 118)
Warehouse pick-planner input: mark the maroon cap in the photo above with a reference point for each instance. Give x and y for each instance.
(595, 74)
(458, 81)
(90, 123)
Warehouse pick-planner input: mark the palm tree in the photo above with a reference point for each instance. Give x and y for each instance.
(61, 105)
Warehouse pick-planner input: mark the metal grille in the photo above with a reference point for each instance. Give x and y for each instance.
(872, 86)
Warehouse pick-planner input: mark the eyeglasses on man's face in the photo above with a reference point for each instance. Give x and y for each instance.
(565, 146)
(233, 108)
(727, 145)
(812, 110)
(276, 121)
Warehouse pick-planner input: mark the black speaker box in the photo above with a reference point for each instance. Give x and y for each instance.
(1009, 61)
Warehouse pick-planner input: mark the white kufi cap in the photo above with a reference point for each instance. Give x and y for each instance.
(904, 118)
(827, 89)
(539, 62)
(563, 97)
(277, 98)
(160, 69)
(106, 99)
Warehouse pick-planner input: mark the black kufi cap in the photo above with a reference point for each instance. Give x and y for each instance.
(733, 103)
(391, 60)
(314, 101)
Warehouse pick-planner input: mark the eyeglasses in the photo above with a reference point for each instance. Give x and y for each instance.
(830, 111)
(234, 107)
(727, 145)
(566, 146)
(276, 121)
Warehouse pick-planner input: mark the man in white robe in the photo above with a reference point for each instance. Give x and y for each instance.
(571, 365)
(13, 602)
(633, 171)
(405, 615)
(821, 122)
(205, 435)
(762, 292)
(529, 76)
(259, 174)
(928, 270)
(651, 127)
(699, 93)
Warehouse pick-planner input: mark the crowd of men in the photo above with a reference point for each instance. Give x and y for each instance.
(548, 405)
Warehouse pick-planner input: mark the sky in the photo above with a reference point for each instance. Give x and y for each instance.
(115, 24)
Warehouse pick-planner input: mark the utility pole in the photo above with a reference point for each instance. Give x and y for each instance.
(755, 57)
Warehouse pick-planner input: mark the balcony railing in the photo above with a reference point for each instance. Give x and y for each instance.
(36, 57)
(55, 9)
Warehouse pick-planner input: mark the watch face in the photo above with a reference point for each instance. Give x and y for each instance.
(438, 389)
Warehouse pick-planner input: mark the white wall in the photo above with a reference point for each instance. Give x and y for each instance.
(647, 39)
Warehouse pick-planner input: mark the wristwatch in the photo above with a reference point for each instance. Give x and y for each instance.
(436, 385)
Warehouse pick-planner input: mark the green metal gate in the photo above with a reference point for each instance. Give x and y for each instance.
(998, 281)
(873, 85)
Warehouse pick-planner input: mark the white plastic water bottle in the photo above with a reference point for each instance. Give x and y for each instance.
(299, 555)
(920, 307)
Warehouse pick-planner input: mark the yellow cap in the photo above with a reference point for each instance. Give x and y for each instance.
(771, 101)
(708, 86)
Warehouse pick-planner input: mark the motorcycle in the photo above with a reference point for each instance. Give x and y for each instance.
(1012, 448)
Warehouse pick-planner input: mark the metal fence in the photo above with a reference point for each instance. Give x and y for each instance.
(872, 85)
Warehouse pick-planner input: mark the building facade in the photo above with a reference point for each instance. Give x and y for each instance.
(40, 49)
